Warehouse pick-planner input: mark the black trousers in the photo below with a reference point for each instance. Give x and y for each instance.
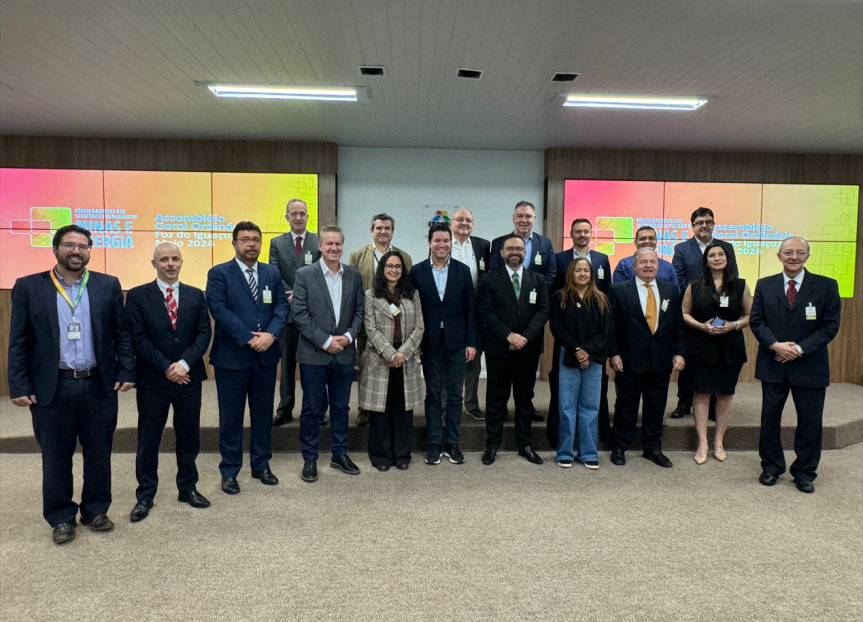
(288, 342)
(153, 407)
(506, 374)
(650, 387)
(391, 432)
(809, 404)
(79, 411)
(553, 423)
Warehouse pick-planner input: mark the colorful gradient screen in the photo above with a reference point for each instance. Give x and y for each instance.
(129, 212)
(755, 218)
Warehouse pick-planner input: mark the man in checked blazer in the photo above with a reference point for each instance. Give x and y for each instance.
(288, 253)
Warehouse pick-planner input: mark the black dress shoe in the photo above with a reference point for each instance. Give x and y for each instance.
(344, 464)
(193, 498)
(489, 456)
(536, 417)
(140, 511)
(528, 453)
(805, 485)
(363, 418)
(768, 479)
(282, 419)
(266, 476)
(63, 533)
(383, 468)
(230, 486)
(657, 457)
(618, 457)
(98, 523)
(402, 465)
(680, 412)
(310, 471)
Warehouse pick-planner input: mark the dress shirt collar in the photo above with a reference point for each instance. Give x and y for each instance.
(519, 272)
(576, 254)
(467, 242)
(62, 280)
(164, 286)
(797, 279)
(641, 283)
(330, 273)
(244, 267)
(435, 268)
(294, 236)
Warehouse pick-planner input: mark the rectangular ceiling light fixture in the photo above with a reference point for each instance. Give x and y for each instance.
(632, 102)
(320, 93)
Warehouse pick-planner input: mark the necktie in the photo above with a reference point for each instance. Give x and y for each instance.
(791, 294)
(253, 283)
(299, 243)
(650, 312)
(171, 304)
(516, 285)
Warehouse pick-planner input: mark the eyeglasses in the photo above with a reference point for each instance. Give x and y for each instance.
(795, 253)
(463, 220)
(70, 246)
(250, 241)
(514, 249)
(702, 223)
(302, 215)
(393, 267)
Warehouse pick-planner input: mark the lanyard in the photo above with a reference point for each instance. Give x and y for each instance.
(80, 291)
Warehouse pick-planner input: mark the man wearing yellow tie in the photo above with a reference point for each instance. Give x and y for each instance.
(647, 345)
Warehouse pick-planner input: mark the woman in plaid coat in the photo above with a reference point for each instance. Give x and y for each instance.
(390, 382)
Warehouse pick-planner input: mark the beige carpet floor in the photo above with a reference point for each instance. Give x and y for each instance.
(512, 541)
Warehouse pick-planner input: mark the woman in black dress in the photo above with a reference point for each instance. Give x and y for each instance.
(716, 309)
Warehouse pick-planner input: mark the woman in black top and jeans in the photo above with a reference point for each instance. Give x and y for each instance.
(716, 309)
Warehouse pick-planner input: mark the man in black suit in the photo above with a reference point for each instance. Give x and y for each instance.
(539, 251)
(794, 316)
(647, 345)
(513, 307)
(581, 233)
(688, 265)
(449, 341)
(170, 332)
(70, 351)
(473, 252)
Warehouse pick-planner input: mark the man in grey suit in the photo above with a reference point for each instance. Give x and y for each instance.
(289, 252)
(328, 310)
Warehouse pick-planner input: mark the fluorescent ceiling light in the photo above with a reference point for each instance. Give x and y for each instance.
(320, 93)
(634, 103)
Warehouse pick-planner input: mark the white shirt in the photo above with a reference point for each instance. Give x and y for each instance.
(244, 267)
(176, 295)
(798, 280)
(379, 254)
(520, 273)
(294, 237)
(576, 255)
(464, 253)
(702, 245)
(642, 295)
(334, 285)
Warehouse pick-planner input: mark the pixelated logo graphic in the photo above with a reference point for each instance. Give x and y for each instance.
(43, 224)
(618, 228)
(440, 216)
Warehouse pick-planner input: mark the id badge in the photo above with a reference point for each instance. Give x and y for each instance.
(482, 264)
(600, 273)
(533, 295)
(723, 301)
(394, 310)
(810, 312)
(308, 260)
(537, 260)
(665, 305)
(268, 296)
(73, 330)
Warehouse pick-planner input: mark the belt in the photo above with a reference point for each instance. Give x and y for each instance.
(78, 373)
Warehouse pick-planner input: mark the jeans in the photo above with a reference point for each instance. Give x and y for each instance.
(578, 398)
(317, 381)
(443, 368)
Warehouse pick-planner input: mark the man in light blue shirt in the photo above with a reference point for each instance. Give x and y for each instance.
(645, 237)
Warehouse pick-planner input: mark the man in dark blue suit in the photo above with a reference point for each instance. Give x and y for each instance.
(248, 303)
(645, 237)
(70, 351)
(795, 315)
(449, 342)
(539, 252)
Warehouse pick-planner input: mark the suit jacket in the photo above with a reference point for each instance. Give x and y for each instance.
(688, 257)
(541, 246)
(34, 335)
(482, 256)
(375, 375)
(597, 260)
(237, 314)
(772, 320)
(283, 256)
(157, 345)
(632, 340)
(457, 310)
(501, 314)
(363, 259)
(665, 272)
(315, 317)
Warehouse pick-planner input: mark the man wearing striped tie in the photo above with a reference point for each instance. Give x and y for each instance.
(170, 333)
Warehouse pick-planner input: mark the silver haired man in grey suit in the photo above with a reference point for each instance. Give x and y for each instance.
(328, 310)
(289, 252)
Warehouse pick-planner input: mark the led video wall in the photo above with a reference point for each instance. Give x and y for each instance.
(129, 212)
(755, 218)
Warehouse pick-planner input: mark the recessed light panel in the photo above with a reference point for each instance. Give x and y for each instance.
(632, 102)
(320, 93)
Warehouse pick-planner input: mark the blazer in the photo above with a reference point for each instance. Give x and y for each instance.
(363, 259)
(157, 345)
(772, 320)
(283, 256)
(237, 314)
(34, 335)
(597, 260)
(315, 317)
(501, 314)
(687, 261)
(375, 375)
(457, 310)
(542, 247)
(482, 256)
(632, 340)
(665, 272)
(581, 326)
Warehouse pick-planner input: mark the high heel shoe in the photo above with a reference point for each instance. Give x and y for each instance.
(697, 461)
(721, 456)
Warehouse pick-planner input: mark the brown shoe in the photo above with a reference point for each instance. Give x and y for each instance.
(363, 418)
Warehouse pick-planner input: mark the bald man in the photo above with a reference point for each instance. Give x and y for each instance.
(171, 332)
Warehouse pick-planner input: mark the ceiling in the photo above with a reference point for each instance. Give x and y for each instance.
(781, 75)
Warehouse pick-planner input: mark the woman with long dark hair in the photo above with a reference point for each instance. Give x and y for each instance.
(391, 386)
(716, 310)
(581, 321)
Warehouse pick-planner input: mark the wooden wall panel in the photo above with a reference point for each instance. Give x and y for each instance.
(846, 351)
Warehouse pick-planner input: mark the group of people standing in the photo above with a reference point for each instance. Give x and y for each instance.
(409, 335)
